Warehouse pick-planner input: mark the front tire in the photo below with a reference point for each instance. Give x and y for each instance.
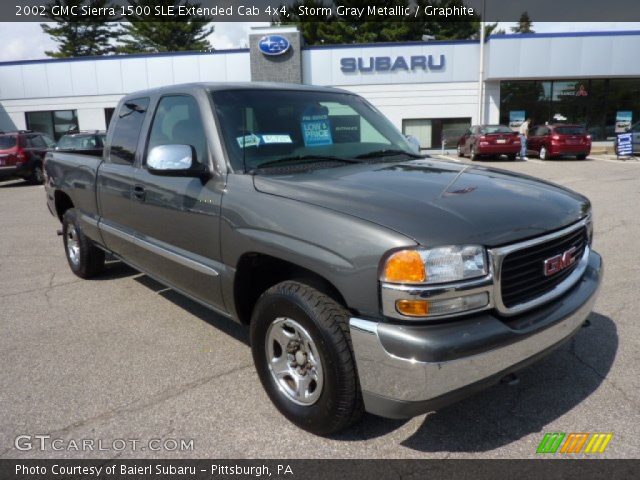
(581, 157)
(37, 176)
(302, 352)
(460, 151)
(473, 155)
(84, 258)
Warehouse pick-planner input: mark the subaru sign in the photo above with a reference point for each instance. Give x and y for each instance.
(274, 45)
(390, 64)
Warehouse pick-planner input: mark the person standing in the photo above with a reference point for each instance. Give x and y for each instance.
(524, 133)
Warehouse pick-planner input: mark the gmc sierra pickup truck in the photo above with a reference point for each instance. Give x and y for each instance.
(371, 278)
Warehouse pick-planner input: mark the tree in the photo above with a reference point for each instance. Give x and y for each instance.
(524, 24)
(80, 35)
(150, 34)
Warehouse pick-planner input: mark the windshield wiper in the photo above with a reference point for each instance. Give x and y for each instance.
(388, 153)
(306, 159)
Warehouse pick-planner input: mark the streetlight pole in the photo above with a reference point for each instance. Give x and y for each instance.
(481, 65)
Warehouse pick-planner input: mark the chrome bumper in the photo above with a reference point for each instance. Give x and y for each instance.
(406, 370)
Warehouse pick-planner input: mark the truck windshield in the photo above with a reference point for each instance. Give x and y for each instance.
(267, 128)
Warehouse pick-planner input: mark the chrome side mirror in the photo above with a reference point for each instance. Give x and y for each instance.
(170, 159)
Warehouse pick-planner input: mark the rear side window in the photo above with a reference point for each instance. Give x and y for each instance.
(127, 130)
(7, 141)
(570, 131)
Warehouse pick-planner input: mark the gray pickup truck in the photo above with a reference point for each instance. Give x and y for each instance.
(371, 278)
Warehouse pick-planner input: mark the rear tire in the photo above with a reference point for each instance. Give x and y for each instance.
(512, 157)
(543, 155)
(302, 352)
(581, 157)
(84, 258)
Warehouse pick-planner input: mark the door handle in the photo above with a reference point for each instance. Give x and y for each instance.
(138, 192)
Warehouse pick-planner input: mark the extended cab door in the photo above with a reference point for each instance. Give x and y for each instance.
(116, 177)
(178, 217)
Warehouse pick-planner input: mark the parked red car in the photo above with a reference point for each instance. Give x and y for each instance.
(551, 141)
(22, 154)
(489, 140)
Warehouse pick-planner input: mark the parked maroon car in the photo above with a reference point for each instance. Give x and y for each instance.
(489, 140)
(22, 154)
(552, 141)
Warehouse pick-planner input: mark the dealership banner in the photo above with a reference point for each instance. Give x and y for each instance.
(267, 10)
(319, 469)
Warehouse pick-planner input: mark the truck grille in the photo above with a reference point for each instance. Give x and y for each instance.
(522, 274)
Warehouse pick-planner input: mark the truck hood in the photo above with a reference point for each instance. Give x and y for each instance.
(435, 202)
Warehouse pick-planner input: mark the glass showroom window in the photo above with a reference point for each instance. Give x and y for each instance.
(55, 123)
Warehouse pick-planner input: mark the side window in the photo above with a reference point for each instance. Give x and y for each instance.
(35, 141)
(177, 122)
(127, 131)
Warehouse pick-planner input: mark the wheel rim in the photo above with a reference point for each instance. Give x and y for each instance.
(38, 175)
(473, 153)
(459, 151)
(543, 153)
(294, 361)
(73, 246)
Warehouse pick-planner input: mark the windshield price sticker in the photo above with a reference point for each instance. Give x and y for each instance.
(316, 130)
(254, 140)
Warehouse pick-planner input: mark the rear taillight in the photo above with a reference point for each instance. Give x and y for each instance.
(21, 157)
(555, 137)
(588, 138)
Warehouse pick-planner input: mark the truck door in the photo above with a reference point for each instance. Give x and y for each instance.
(116, 177)
(177, 217)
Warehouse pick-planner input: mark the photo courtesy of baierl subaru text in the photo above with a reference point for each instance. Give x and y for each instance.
(319, 239)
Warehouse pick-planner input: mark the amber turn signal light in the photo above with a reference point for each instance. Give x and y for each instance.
(405, 266)
(413, 308)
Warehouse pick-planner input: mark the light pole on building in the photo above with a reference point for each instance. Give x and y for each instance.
(481, 65)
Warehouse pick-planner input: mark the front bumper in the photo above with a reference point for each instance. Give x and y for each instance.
(406, 370)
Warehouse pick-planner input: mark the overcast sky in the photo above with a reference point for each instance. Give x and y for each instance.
(26, 41)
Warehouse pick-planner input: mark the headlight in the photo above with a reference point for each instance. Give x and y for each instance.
(435, 265)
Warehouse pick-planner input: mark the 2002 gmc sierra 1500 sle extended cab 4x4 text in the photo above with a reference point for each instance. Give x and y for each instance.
(372, 278)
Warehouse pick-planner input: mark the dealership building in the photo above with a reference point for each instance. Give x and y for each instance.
(429, 89)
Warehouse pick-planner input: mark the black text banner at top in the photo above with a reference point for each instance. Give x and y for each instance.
(289, 10)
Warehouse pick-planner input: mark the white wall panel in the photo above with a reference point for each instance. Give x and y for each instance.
(36, 83)
(59, 78)
(238, 68)
(109, 77)
(159, 71)
(186, 69)
(134, 75)
(11, 82)
(83, 78)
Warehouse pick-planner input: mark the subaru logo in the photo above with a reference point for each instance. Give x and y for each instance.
(273, 45)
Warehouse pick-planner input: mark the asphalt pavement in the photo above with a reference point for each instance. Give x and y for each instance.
(122, 358)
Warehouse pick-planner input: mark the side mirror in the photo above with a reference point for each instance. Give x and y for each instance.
(174, 161)
(414, 142)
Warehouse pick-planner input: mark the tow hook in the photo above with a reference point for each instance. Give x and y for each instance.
(512, 380)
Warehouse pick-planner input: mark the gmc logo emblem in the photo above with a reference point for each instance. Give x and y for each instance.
(558, 263)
